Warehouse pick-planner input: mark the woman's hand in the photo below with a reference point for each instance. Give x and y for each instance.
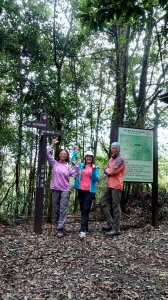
(93, 167)
(54, 141)
(75, 147)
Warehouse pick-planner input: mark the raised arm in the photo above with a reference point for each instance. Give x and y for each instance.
(74, 155)
(74, 171)
(50, 157)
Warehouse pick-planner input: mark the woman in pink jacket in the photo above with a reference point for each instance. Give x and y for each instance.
(115, 178)
(60, 186)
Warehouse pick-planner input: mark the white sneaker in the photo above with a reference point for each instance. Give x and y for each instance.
(82, 234)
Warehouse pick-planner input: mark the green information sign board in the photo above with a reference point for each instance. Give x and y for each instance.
(137, 149)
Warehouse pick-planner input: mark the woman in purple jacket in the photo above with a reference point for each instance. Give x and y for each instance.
(60, 186)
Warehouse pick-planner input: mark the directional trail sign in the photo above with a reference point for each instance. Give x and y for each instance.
(50, 132)
(35, 124)
(44, 131)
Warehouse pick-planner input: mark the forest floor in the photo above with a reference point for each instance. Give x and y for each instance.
(133, 265)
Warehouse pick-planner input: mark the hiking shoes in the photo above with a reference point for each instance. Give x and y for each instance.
(106, 228)
(113, 233)
(82, 234)
(60, 233)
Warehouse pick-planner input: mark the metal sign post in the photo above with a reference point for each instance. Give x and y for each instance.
(155, 181)
(44, 131)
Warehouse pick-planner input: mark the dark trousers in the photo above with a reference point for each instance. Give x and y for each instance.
(85, 200)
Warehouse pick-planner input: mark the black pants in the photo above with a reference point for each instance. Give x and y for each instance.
(85, 200)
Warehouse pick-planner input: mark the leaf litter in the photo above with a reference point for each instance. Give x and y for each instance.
(133, 265)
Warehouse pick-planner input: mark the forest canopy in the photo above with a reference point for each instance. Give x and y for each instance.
(90, 66)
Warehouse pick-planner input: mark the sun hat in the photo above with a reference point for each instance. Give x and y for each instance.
(89, 153)
(115, 144)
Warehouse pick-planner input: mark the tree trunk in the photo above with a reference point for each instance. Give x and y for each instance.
(122, 39)
(1, 167)
(140, 122)
(18, 162)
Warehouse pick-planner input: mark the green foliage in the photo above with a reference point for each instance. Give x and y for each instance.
(163, 172)
(4, 220)
(71, 75)
(99, 14)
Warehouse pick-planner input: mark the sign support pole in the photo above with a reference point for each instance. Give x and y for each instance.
(38, 215)
(40, 179)
(155, 179)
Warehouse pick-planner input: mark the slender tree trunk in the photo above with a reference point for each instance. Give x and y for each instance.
(28, 203)
(100, 108)
(18, 162)
(140, 122)
(6, 194)
(1, 167)
(121, 46)
(32, 181)
(58, 61)
(122, 43)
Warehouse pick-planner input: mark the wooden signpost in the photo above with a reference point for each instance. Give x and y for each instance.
(44, 131)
